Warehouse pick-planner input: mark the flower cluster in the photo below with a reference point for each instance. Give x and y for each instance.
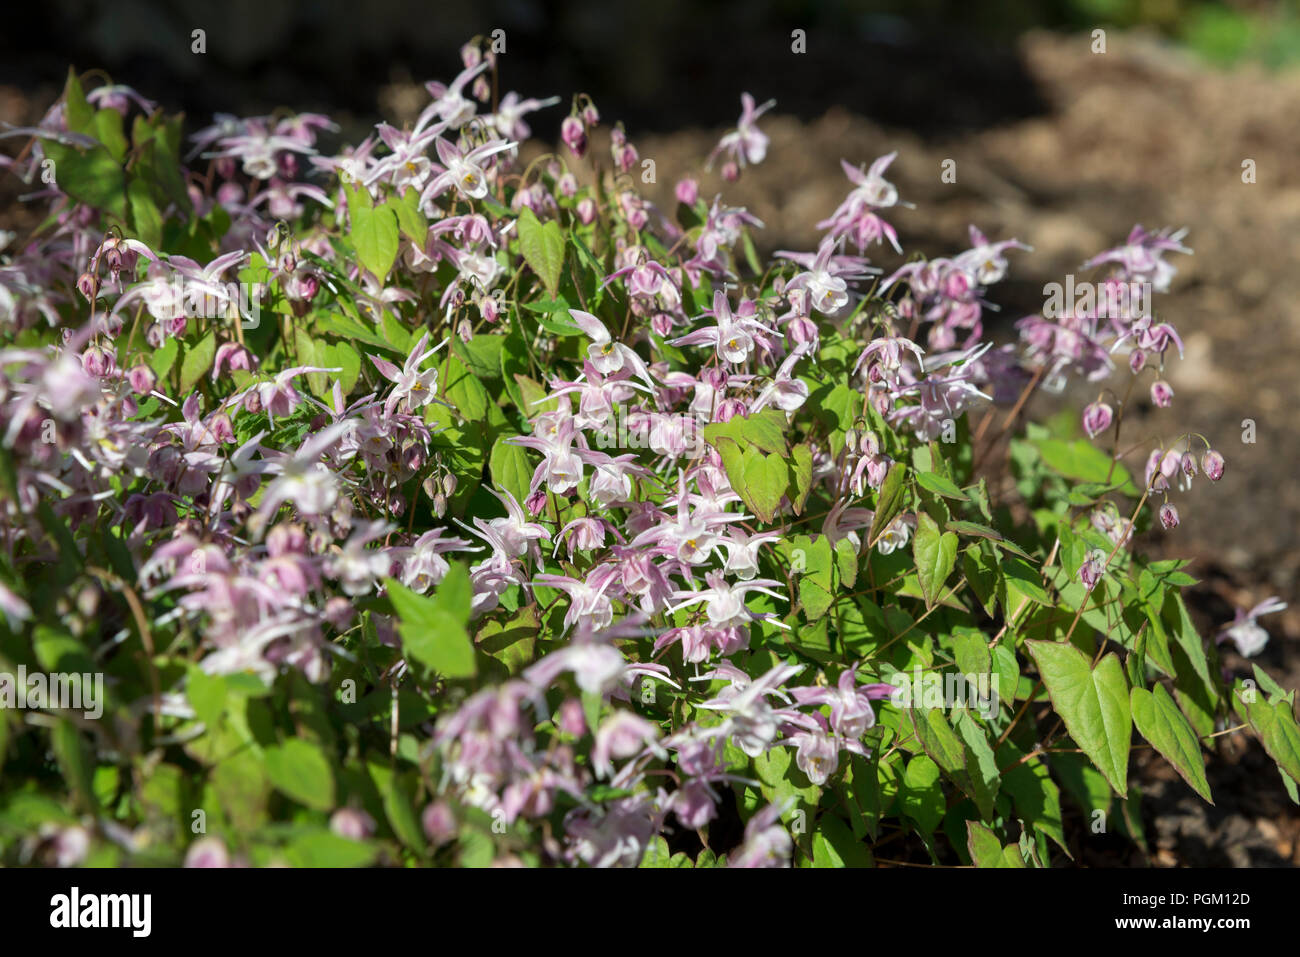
(345, 431)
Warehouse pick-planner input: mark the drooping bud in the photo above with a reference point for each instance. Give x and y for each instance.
(1090, 571)
(571, 719)
(574, 135)
(439, 822)
(1137, 360)
(142, 379)
(231, 356)
(1161, 394)
(1097, 418)
(687, 191)
(87, 285)
(625, 157)
(98, 361)
(1168, 516)
(1212, 465)
(352, 823)
(339, 612)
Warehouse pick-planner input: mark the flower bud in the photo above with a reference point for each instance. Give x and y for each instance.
(1168, 516)
(802, 331)
(1137, 360)
(1212, 465)
(352, 823)
(586, 211)
(1161, 394)
(571, 720)
(207, 852)
(439, 822)
(574, 135)
(339, 612)
(231, 356)
(1097, 418)
(1091, 570)
(87, 285)
(730, 171)
(142, 379)
(98, 361)
(625, 158)
(687, 191)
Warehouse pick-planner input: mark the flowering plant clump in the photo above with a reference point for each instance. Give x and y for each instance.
(420, 504)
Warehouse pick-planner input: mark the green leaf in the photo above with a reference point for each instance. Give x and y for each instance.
(511, 642)
(835, 846)
(1159, 721)
(983, 531)
(935, 553)
(937, 738)
(92, 177)
(1036, 796)
(340, 355)
(1082, 460)
(987, 851)
(397, 794)
(465, 391)
(542, 247)
(145, 217)
(433, 628)
(553, 316)
(1093, 704)
(207, 695)
(766, 479)
(198, 360)
(889, 502)
(322, 848)
(77, 111)
(409, 218)
(374, 234)
(940, 485)
(300, 771)
(812, 561)
(164, 356)
(107, 128)
(760, 480)
(764, 430)
(1275, 725)
(801, 468)
(981, 571)
(921, 794)
(75, 761)
(510, 468)
(983, 779)
(481, 355)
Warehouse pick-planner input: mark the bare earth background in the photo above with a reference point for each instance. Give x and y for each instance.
(1140, 134)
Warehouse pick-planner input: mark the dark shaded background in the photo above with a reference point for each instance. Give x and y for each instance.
(928, 66)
